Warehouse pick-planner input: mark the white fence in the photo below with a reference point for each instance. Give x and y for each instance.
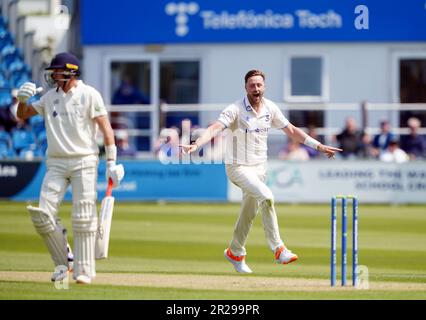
(367, 115)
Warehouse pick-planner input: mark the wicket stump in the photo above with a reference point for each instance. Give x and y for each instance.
(344, 201)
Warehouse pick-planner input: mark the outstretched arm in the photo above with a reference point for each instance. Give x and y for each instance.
(301, 137)
(207, 135)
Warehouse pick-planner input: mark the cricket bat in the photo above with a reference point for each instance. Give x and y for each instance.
(104, 224)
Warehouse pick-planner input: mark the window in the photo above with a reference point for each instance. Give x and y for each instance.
(412, 87)
(306, 76)
(130, 84)
(305, 79)
(179, 84)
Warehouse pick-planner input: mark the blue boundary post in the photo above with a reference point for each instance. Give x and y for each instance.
(344, 239)
(333, 240)
(354, 239)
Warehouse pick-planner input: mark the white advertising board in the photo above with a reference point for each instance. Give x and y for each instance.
(318, 181)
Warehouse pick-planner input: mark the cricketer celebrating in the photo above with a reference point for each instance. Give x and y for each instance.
(72, 111)
(249, 121)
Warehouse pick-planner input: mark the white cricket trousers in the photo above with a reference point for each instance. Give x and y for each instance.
(81, 173)
(251, 179)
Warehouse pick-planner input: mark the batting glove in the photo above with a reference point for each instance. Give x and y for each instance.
(115, 172)
(27, 90)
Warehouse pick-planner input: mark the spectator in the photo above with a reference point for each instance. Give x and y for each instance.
(294, 152)
(124, 149)
(312, 131)
(394, 154)
(8, 115)
(414, 144)
(366, 149)
(350, 139)
(167, 146)
(381, 141)
(128, 93)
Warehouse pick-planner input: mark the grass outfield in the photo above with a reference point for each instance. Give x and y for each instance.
(175, 251)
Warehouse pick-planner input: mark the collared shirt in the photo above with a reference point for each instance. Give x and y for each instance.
(247, 141)
(69, 120)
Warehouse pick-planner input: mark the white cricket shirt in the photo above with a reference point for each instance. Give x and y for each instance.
(69, 120)
(247, 143)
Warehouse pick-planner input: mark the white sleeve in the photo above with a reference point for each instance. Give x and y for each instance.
(97, 107)
(228, 115)
(39, 105)
(278, 119)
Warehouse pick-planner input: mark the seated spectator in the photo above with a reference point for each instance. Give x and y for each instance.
(128, 93)
(381, 141)
(350, 139)
(366, 150)
(124, 149)
(312, 131)
(167, 146)
(294, 152)
(414, 144)
(8, 115)
(394, 154)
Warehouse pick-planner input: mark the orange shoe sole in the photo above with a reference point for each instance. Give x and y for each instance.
(291, 260)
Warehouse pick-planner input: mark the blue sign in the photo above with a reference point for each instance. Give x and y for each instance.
(226, 21)
(144, 180)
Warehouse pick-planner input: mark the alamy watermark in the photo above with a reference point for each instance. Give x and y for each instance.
(362, 279)
(228, 146)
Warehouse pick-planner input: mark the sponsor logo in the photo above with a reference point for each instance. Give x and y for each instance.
(181, 10)
(250, 19)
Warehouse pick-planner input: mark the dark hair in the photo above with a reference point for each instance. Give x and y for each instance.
(253, 73)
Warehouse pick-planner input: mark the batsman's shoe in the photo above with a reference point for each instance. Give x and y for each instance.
(238, 262)
(83, 279)
(59, 274)
(284, 255)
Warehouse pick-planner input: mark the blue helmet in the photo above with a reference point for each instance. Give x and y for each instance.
(65, 61)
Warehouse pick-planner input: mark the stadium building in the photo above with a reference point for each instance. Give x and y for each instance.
(323, 59)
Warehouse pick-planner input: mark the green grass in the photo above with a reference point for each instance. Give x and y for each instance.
(189, 239)
(35, 291)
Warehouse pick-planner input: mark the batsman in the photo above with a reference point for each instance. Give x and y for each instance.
(73, 112)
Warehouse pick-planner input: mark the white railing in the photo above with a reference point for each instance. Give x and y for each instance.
(364, 112)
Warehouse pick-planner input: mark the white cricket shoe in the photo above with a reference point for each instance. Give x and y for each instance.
(83, 279)
(59, 274)
(238, 262)
(284, 255)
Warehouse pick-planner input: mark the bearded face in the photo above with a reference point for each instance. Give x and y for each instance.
(255, 87)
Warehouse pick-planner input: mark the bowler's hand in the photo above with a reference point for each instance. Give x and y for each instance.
(329, 151)
(188, 148)
(115, 172)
